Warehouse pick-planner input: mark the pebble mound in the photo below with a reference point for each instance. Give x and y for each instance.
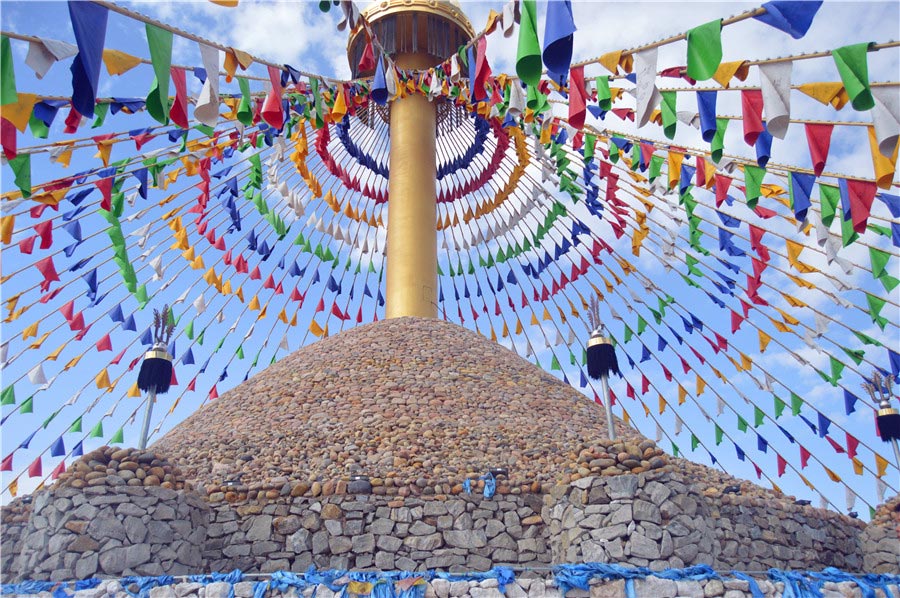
(417, 405)
(111, 466)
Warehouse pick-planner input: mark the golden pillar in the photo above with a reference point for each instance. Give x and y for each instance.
(416, 34)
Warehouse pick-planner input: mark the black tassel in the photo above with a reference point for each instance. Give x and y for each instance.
(601, 358)
(888, 424)
(156, 372)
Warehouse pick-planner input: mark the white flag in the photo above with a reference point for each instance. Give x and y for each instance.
(207, 108)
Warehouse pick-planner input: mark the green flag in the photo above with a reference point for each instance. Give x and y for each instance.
(528, 52)
(836, 369)
(852, 64)
(604, 96)
(76, 425)
(848, 235)
(669, 119)
(718, 435)
(742, 424)
(8, 396)
(100, 111)
(695, 442)
(656, 163)
(8, 93)
(160, 42)
(758, 417)
(829, 197)
(879, 261)
(27, 406)
(704, 52)
(641, 325)
(753, 176)
(779, 406)
(717, 145)
(796, 404)
(21, 167)
(38, 128)
(554, 364)
(118, 437)
(244, 111)
(97, 432)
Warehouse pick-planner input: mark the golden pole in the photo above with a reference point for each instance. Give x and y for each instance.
(412, 212)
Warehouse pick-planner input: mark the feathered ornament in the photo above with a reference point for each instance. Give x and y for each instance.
(601, 354)
(888, 419)
(156, 370)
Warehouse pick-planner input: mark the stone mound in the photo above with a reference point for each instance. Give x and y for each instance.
(417, 405)
(112, 467)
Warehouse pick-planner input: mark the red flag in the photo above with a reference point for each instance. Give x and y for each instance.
(367, 60)
(213, 393)
(272, 111)
(26, 246)
(722, 184)
(321, 306)
(852, 445)
(104, 344)
(861, 193)
(255, 275)
(577, 98)
(336, 311)
(192, 385)
(8, 138)
(118, 358)
(758, 471)
(736, 321)
(105, 186)
(645, 384)
(781, 465)
(34, 470)
(179, 110)
(7, 463)
(59, 469)
(482, 71)
(67, 310)
(752, 107)
(837, 448)
(818, 137)
(629, 391)
(174, 380)
(77, 322)
(48, 270)
(270, 283)
(804, 457)
(73, 121)
(45, 232)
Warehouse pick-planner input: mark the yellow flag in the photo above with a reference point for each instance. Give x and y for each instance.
(254, 303)
(546, 314)
(827, 93)
(763, 341)
(32, 330)
(626, 418)
(233, 59)
(283, 316)
(73, 362)
(7, 223)
(675, 160)
(729, 70)
(880, 464)
(226, 288)
(793, 254)
(262, 314)
(505, 332)
(834, 477)
(646, 409)
(226, 3)
(174, 405)
(662, 404)
(102, 379)
(779, 326)
(240, 294)
(534, 320)
(800, 282)
(20, 112)
(884, 165)
(134, 391)
(339, 110)
(64, 157)
(788, 318)
(682, 393)
(55, 354)
(14, 487)
(188, 254)
(197, 263)
(518, 326)
(315, 328)
(37, 344)
(701, 385)
(119, 62)
(857, 466)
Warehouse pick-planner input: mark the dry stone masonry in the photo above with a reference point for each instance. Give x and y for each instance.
(266, 479)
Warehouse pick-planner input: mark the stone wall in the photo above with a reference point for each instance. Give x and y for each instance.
(650, 587)
(755, 534)
(13, 521)
(466, 533)
(653, 520)
(100, 531)
(881, 539)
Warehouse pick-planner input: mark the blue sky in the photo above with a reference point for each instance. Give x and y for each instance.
(298, 34)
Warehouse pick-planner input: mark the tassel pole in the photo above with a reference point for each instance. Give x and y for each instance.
(607, 406)
(145, 429)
